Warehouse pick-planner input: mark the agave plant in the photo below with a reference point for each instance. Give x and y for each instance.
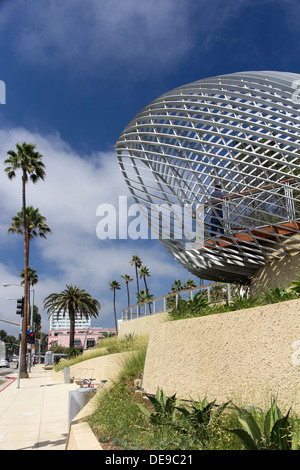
(164, 408)
(277, 433)
(198, 416)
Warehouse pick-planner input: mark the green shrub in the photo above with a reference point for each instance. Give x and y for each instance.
(243, 301)
(272, 296)
(295, 286)
(164, 408)
(199, 417)
(190, 308)
(277, 432)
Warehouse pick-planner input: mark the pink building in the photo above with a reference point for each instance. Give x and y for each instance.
(84, 338)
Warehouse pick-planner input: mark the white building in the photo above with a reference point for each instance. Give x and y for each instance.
(62, 322)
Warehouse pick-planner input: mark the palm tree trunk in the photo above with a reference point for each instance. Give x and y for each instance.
(128, 297)
(146, 287)
(22, 365)
(72, 328)
(115, 313)
(138, 287)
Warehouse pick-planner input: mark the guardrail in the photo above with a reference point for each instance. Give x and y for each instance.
(166, 302)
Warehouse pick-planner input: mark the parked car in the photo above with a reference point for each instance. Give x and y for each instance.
(4, 363)
(15, 358)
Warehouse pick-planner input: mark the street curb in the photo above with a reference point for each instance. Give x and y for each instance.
(12, 379)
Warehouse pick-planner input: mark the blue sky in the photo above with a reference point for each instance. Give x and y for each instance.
(76, 73)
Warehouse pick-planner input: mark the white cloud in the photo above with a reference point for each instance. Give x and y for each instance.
(73, 188)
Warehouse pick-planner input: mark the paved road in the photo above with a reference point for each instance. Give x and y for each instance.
(8, 370)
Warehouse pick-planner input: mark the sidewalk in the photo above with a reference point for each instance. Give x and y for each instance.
(34, 416)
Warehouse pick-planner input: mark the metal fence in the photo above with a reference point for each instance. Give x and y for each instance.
(213, 293)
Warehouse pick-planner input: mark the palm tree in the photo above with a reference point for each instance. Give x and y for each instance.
(32, 276)
(143, 297)
(137, 263)
(188, 285)
(144, 272)
(114, 285)
(176, 286)
(127, 279)
(75, 302)
(35, 225)
(32, 280)
(29, 161)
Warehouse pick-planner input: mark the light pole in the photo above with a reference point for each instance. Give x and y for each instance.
(20, 342)
(31, 320)
(31, 327)
(21, 328)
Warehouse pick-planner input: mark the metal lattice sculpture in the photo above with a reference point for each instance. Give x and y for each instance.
(240, 132)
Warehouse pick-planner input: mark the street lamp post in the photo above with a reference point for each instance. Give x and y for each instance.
(21, 326)
(20, 342)
(31, 329)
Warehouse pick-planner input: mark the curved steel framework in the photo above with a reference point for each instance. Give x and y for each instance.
(239, 131)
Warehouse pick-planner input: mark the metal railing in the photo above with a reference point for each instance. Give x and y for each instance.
(166, 302)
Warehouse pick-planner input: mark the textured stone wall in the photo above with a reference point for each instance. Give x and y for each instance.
(99, 368)
(141, 326)
(246, 356)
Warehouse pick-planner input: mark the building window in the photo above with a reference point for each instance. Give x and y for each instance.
(90, 343)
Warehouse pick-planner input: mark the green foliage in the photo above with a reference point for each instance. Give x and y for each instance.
(198, 418)
(199, 305)
(276, 435)
(164, 408)
(272, 296)
(243, 301)
(295, 286)
(198, 425)
(190, 308)
(73, 352)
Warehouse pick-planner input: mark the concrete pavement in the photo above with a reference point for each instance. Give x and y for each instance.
(34, 416)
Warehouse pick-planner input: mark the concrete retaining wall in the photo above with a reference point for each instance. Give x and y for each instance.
(141, 326)
(99, 368)
(246, 356)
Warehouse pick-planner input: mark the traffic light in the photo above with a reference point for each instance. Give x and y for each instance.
(30, 337)
(20, 307)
